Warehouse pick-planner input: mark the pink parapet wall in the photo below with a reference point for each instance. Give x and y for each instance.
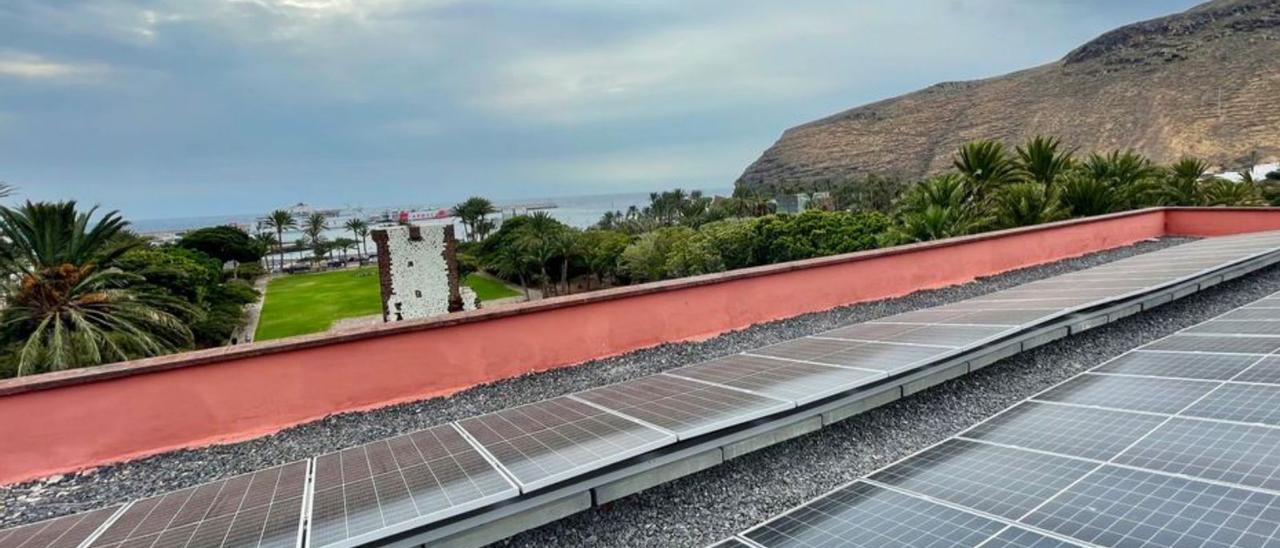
(1198, 221)
(83, 418)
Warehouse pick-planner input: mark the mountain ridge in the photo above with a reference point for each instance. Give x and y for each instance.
(1203, 82)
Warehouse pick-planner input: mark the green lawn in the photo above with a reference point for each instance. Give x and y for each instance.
(488, 288)
(309, 303)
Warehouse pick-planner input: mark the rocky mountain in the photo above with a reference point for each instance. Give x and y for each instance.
(1204, 82)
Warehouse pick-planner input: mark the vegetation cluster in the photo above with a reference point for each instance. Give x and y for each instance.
(989, 187)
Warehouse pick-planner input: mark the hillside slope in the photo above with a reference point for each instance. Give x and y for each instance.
(1204, 82)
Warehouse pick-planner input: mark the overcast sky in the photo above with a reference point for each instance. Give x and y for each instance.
(172, 108)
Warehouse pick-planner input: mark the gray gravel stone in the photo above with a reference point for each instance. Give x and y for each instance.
(701, 508)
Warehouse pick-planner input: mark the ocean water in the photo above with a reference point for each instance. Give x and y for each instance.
(579, 211)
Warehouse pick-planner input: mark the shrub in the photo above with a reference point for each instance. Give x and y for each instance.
(734, 239)
(645, 260)
(816, 234)
(225, 243)
(691, 255)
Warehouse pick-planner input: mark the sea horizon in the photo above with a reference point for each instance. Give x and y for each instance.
(580, 211)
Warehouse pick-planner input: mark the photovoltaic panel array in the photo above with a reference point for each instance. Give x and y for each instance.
(1153, 448)
(684, 407)
(543, 443)
(262, 509)
(389, 486)
(64, 532)
(404, 482)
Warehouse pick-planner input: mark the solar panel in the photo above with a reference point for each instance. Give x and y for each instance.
(684, 407)
(1075, 431)
(1020, 293)
(1212, 343)
(862, 514)
(873, 356)
(806, 348)
(996, 480)
(943, 335)
(1258, 314)
(730, 543)
(1240, 402)
(1049, 306)
(1001, 317)
(63, 532)
(1266, 371)
(1125, 507)
(388, 486)
(1234, 453)
(1238, 327)
(1180, 365)
(788, 380)
(545, 442)
(1129, 393)
(1016, 537)
(262, 509)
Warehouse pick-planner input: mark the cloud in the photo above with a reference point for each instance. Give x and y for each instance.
(26, 66)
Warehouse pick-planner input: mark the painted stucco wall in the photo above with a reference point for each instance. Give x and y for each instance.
(120, 411)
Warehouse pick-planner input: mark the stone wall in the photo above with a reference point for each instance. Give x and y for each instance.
(418, 271)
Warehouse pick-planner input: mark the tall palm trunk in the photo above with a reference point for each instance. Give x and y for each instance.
(280, 245)
(564, 275)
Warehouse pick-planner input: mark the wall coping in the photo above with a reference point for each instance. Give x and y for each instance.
(46, 381)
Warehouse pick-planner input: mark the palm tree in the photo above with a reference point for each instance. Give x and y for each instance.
(1133, 176)
(1085, 195)
(472, 213)
(1041, 162)
(1181, 186)
(343, 245)
(1029, 203)
(539, 239)
(314, 228)
(1223, 192)
(360, 229)
(281, 220)
(940, 207)
(566, 244)
(986, 166)
(66, 304)
(512, 262)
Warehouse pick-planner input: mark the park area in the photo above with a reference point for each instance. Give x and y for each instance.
(310, 303)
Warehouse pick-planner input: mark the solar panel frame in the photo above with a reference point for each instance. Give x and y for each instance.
(800, 382)
(865, 505)
(1216, 344)
(992, 479)
(418, 471)
(1246, 455)
(553, 430)
(235, 511)
(1254, 314)
(1249, 403)
(1152, 395)
(1083, 511)
(69, 531)
(1179, 365)
(1017, 537)
(1084, 432)
(1265, 371)
(685, 407)
(1237, 327)
(953, 336)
